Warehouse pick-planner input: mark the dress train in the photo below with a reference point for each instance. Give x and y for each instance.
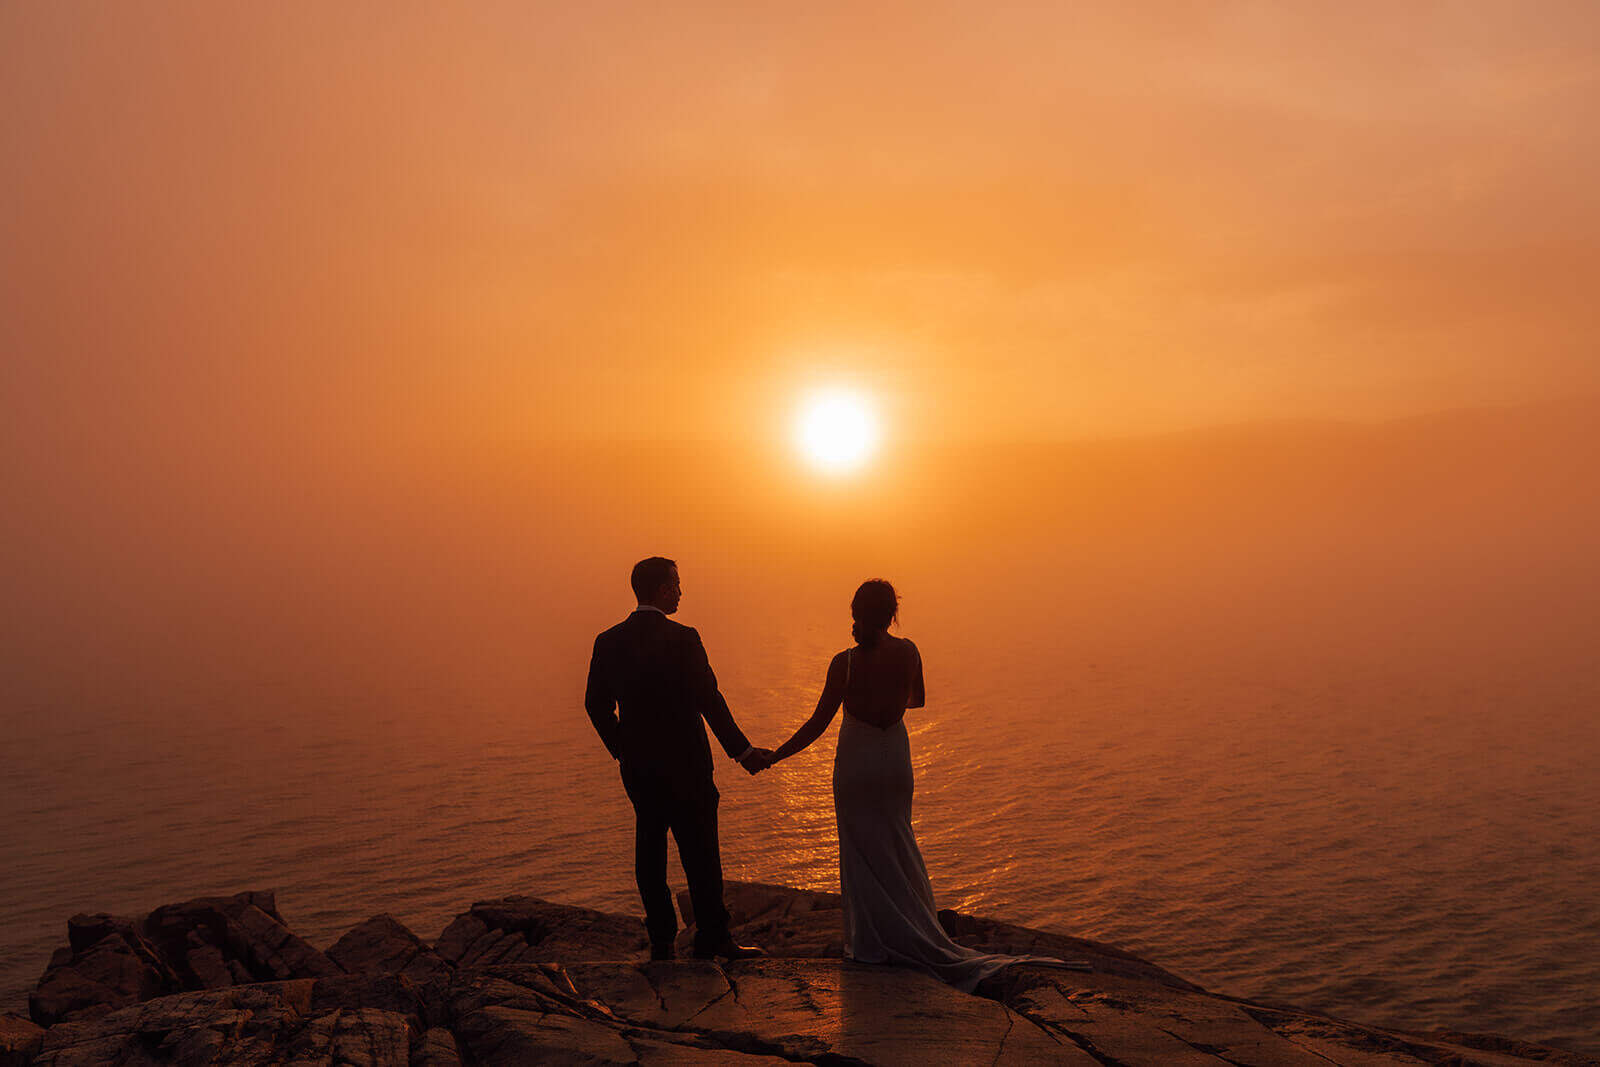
(889, 911)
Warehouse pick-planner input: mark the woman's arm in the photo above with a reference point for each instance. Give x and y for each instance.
(917, 693)
(827, 706)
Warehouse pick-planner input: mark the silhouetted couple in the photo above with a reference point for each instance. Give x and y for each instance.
(650, 687)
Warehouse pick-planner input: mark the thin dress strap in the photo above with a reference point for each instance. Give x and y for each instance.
(849, 655)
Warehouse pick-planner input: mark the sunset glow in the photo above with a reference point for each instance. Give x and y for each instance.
(1215, 383)
(837, 430)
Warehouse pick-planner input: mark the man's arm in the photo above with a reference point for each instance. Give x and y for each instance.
(600, 701)
(710, 702)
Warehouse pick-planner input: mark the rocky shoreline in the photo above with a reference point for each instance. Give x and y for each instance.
(523, 980)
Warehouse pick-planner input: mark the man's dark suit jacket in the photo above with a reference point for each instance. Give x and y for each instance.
(654, 672)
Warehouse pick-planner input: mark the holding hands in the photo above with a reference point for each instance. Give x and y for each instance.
(758, 760)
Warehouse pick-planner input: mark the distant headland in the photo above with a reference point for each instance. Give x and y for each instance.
(523, 980)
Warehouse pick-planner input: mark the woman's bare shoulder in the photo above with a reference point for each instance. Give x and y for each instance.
(906, 646)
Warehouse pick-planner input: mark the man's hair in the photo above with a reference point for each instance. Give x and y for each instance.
(649, 575)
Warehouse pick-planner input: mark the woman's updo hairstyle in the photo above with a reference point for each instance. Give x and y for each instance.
(874, 607)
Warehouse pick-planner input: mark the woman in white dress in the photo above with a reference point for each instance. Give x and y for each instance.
(889, 913)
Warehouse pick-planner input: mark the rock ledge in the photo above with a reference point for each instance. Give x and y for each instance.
(523, 980)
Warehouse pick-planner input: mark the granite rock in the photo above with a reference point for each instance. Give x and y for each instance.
(117, 969)
(526, 929)
(383, 945)
(19, 1040)
(245, 930)
(818, 1009)
(246, 1025)
(437, 1048)
(522, 980)
(785, 922)
(383, 949)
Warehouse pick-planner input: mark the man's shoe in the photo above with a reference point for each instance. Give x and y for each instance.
(662, 950)
(726, 950)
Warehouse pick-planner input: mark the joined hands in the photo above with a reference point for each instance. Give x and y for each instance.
(758, 760)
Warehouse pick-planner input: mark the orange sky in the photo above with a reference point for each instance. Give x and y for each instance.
(328, 326)
(404, 224)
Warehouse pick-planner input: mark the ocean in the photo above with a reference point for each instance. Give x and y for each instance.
(1403, 834)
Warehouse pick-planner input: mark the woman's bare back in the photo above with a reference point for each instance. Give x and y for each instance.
(881, 682)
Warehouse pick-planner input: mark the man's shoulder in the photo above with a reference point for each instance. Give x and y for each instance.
(641, 622)
(615, 635)
(677, 634)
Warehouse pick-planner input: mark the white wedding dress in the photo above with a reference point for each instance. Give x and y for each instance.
(889, 913)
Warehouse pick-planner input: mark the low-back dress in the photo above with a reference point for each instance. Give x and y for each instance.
(889, 912)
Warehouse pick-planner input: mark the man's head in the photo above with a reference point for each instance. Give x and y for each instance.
(655, 582)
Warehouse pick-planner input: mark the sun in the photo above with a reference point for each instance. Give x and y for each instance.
(837, 429)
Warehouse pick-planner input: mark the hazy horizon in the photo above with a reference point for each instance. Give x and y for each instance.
(382, 568)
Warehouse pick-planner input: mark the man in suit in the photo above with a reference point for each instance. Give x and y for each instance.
(650, 687)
